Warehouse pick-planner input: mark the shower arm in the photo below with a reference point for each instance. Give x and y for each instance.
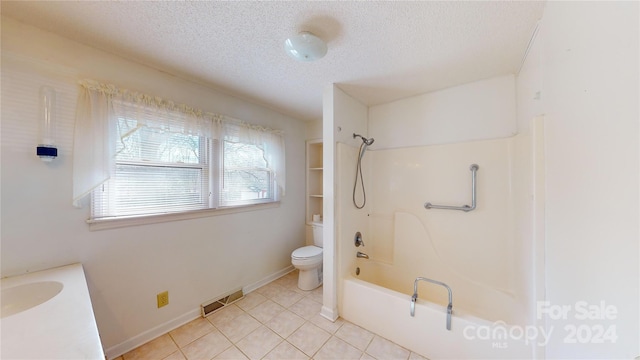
(414, 297)
(366, 141)
(466, 208)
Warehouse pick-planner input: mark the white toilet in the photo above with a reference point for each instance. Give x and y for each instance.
(308, 260)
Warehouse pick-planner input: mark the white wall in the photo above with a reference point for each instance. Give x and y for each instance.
(585, 66)
(314, 129)
(476, 111)
(194, 260)
(342, 117)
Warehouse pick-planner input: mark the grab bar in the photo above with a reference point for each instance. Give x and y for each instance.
(415, 297)
(466, 208)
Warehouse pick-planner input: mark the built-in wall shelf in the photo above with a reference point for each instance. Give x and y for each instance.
(314, 179)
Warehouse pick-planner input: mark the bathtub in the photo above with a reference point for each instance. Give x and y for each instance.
(48, 315)
(387, 313)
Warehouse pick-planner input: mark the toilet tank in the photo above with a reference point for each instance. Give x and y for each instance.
(317, 233)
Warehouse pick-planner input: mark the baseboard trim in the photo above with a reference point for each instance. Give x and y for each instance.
(144, 337)
(329, 314)
(260, 283)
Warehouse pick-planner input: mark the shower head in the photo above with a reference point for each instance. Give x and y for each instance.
(366, 141)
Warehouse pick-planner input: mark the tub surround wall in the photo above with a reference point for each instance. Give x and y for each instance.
(434, 138)
(195, 260)
(473, 252)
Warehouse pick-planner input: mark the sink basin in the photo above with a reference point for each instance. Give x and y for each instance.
(47, 314)
(23, 297)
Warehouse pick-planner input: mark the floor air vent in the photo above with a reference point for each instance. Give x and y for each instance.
(212, 306)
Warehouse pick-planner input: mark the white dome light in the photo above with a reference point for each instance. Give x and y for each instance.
(305, 47)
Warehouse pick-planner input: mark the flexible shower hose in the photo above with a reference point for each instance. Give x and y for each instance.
(359, 173)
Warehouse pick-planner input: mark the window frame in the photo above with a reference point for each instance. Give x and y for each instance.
(214, 159)
(223, 168)
(136, 220)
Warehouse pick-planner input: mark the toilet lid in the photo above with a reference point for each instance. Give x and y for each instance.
(306, 252)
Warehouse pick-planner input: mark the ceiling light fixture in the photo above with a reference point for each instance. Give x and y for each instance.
(305, 47)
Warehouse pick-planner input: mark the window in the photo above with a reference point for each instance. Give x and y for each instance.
(247, 177)
(164, 163)
(156, 171)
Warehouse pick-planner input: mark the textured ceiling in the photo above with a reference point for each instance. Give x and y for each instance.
(378, 51)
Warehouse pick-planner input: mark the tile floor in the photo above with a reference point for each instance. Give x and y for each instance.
(276, 321)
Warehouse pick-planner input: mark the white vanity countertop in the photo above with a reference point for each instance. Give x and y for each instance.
(63, 327)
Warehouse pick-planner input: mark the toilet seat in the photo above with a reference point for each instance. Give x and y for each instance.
(306, 252)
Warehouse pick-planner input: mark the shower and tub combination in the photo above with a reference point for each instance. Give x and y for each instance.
(466, 265)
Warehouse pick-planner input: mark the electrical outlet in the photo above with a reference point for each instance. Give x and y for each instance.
(163, 299)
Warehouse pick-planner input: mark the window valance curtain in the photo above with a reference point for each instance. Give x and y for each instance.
(98, 130)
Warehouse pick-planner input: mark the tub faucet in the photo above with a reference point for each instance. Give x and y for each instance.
(358, 239)
(362, 255)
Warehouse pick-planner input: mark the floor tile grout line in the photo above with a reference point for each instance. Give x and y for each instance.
(177, 346)
(283, 338)
(305, 322)
(369, 344)
(321, 346)
(285, 285)
(273, 348)
(234, 343)
(182, 353)
(194, 340)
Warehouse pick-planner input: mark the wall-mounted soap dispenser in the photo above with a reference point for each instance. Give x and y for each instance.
(47, 149)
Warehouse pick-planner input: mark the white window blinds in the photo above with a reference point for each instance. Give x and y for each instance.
(172, 158)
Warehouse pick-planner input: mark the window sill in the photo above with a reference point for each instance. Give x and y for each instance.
(112, 223)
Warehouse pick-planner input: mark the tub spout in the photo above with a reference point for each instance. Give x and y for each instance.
(362, 255)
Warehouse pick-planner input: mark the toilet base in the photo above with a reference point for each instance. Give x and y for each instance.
(310, 279)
